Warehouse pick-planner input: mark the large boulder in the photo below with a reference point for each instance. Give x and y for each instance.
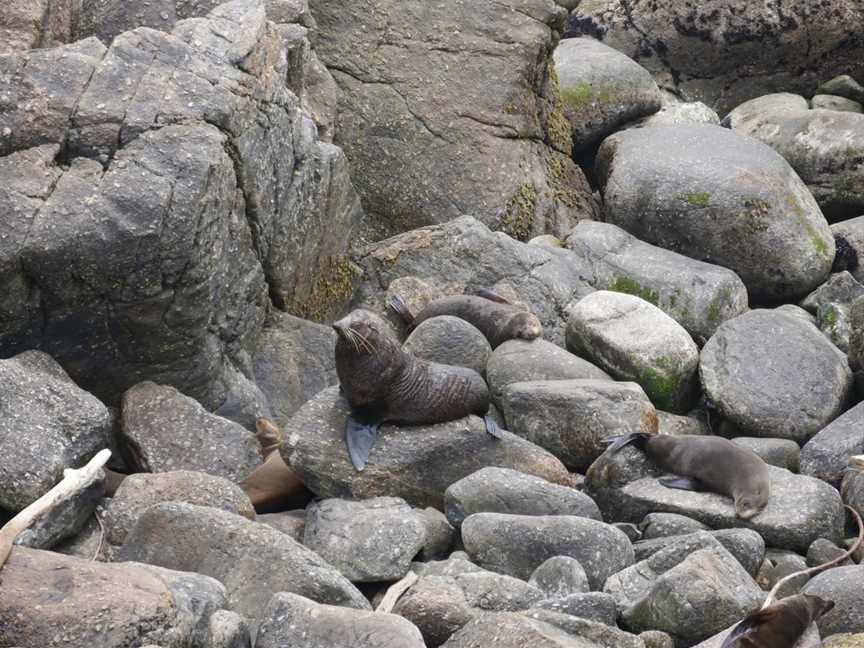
(699, 296)
(826, 455)
(464, 253)
(455, 86)
(25, 24)
(849, 237)
(47, 424)
(788, 389)
(843, 586)
(823, 146)
(254, 561)
(147, 248)
(718, 197)
(728, 51)
(416, 463)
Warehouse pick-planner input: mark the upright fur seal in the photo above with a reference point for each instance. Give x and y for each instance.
(706, 463)
(495, 317)
(383, 382)
(782, 623)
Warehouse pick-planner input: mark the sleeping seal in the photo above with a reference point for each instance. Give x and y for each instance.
(493, 316)
(706, 463)
(383, 382)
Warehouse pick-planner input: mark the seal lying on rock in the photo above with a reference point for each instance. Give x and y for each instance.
(383, 382)
(782, 623)
(706, 463)
(492, 315)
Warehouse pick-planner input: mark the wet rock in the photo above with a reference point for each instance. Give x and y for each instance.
(500, 490)
(517, 544)
(292, 620)
(451, 341)
(667, 187)
(782, 453)
(602, 89)
(165, 431)
(253, 561)
(634, 340)
(571, 418)
(826, 455)
(48, 424)
(661, 525)
(559, 577)
(699, 296)
(843, 586)
(593, 606)
(415, 463)
(790, 389)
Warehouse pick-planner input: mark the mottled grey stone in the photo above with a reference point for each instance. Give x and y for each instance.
(783, 453)
(451, 341)
(594, 606)
(440, 535)
(291, 523)
(827, 453)
(745, 545)
(833, 102)
(559, 577)
(660, 525)
(843, 586)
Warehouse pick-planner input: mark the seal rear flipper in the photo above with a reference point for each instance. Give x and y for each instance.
(492, 428)
(683, 483)
(637, 439)
(398, 305)
(360, 438)
(485, 293)
(748, 627)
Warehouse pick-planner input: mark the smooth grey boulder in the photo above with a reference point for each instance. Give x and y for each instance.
(602, 89)
(592, 633)
(826, 454)
(498, 592)
(778, 564)
(291, 523)
(26, 24)
(229, 629)
(440, 535)
(811, 639)
(464, 253)
(253, 560)
(823, 551)
(79, 602)
(416, 463)
(727, 53)
(633, 339)
(139, 492)
(661, 525)
(789, 389)
(718, 197)
(800, 509)
(501, 490)
(65, 521)
(843, 586)
(451, 341)
(537, 360)
(437, 606)
(292, 620)
(831, 304)
(849, 239)
(571, 418)
(679, 112)
(593, 606)
(699, 296)
(783, 453)
(675, 424)
(47, 424)
(843, 86)
(368, 541)
(491, 95)
(833, 102)
(293, 360)
(517, 544)
(165, 431)
(745, 545)
(559, 577)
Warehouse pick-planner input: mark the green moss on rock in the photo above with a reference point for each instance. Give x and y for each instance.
(559, 131)
(698, 198)
(627, 285)
(333, 284)
(660, 383)
(518, 218)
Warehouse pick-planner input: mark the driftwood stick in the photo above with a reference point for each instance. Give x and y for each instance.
(396, 590)
(74, 480)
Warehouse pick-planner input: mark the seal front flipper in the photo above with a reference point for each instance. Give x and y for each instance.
(360, 438)
(683, 483)
(492, 428)
(748, 627)
(637, 439)
(485, 293)
(398, 305)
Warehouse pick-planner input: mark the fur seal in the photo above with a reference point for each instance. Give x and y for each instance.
(383, 382)
(494, 316)
(273, 487)
(782, 623)
(706, 463)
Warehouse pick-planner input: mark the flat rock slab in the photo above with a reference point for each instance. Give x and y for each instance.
(415, 463)
(801, 509)
(827, 454)
(789, 389)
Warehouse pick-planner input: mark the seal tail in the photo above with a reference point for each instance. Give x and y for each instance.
(398, 305)
(637, 439)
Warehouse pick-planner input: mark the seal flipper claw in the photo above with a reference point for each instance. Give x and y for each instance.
(492, 428)
(360, 438)
(683, 483)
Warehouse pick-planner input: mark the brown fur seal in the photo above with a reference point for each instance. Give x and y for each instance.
(782, 623)
(493, 316)
(706, 463)
(273, 487)
(383, 382)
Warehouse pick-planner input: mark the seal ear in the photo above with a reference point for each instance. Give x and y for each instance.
(749, 626)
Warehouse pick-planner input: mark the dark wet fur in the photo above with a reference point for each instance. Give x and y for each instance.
(779, 625)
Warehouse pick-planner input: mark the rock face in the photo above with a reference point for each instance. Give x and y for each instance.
(69, 601)
(166, 431)
(454, 87)
(47, 424)
(291, 620)
(634, 340)
(464, 253)
(25, 24)
(718, 197)
(570, 418)
(823, 146)
(253, 561)
(601, 89)
(415, 463)
(727, 52)
(159, 263)
(699, 296)
(790, 389)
